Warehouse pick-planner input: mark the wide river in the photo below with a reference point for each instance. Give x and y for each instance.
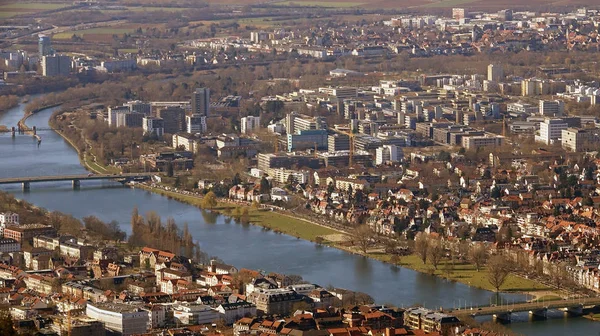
(241, 245)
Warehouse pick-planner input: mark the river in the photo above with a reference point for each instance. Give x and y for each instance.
(241, 245)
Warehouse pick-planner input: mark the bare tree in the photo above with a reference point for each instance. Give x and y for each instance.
(498, 270)
(435, 252)
(559, 275)
(362, 237)
(422, 246)
(478, 256)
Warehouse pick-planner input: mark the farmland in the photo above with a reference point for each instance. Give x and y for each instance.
(14, 9)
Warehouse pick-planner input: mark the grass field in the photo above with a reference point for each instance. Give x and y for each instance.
(449, 3)
(14, 9)
(95, 34)
(332, 4)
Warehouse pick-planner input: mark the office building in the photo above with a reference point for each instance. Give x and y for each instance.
(129, 119)
(480, 141)
(249, 124)
(201, 101)
(173, 118)
(139, 107)
(338, 142)
(295, 122)
(194, 313)
(189, 142)
(119, 318)
(196, 123)
(153, 125)
(579, 140)
(388, 154)
(56, 65)
(44, 46)
(113, 112)
(307, 139)
(551, 130)
(495, 73)
(552, 108)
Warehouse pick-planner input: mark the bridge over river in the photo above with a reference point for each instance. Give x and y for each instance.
(76, 179)
(537, 310)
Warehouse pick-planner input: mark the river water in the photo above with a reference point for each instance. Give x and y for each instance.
(241, 245)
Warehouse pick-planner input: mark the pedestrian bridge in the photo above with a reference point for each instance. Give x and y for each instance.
(537, 310)
(76, 179)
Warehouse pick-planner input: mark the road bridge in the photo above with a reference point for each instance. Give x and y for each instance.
(537, 310)
(76, 179)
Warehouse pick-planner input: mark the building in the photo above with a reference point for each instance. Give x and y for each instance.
(120, 318)
(139, 107)
(274, 301)
(478, 141)
(113, 112)
(231, 312)
(195, 123)
(551, 130)
(44, 46)
(193, 313)
(430, 321)
(249, 123)
(295, 122)
(307, 139)
(189, 142)
(173, 119)
(552, 108)
(118, 65)
(9, 218)
(129, 119)
(26, 232)
(495, 73)
(388, 153)
(153, 125)
(578, 140)
(338, 142)
(8, 245)
(201, 101)
(459, 13)
(56, 65)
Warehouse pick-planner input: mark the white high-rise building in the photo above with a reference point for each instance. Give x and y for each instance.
(551, 130)
(201, 101)
(153, 125)
(388, 153)
(113, 112)
(195, 123)
(249, 123)
(552, 108)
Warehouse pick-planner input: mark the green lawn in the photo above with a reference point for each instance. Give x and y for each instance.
(548, 298)
(151, 9)
(33, 6)
(465, 273)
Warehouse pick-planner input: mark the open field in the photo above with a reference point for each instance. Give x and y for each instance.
(10, 10)
(333, 4)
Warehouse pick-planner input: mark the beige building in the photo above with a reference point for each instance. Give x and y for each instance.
(474, 142)
(577, 140)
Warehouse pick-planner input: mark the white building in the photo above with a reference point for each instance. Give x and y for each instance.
(120, 318)
(113, 112)
(249, 123)
(196, 123)
(231, 312)
(153, 125)
(495, 73)
(189, 141)
(194, 313)
(388, 153)
(551, 130)
(9, 218)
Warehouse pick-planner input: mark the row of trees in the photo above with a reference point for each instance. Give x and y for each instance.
(151, 231)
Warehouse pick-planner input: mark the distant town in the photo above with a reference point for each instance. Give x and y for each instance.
(460, 143)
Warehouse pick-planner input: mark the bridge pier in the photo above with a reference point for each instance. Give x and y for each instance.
(26, 186)
(573, 311)
(76, 184)
(34, 131)
(538, 314)
(13, 131)
(502, 317)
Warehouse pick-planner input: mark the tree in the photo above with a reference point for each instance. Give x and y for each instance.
(362, 237)
(498, 270)
(559, 275)
(478, 255)
(496, 193)
(236, 179)
(265, 186)
(435, 252)
(422, 246)
(209, 200)
(170, 171)
(6, 324)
